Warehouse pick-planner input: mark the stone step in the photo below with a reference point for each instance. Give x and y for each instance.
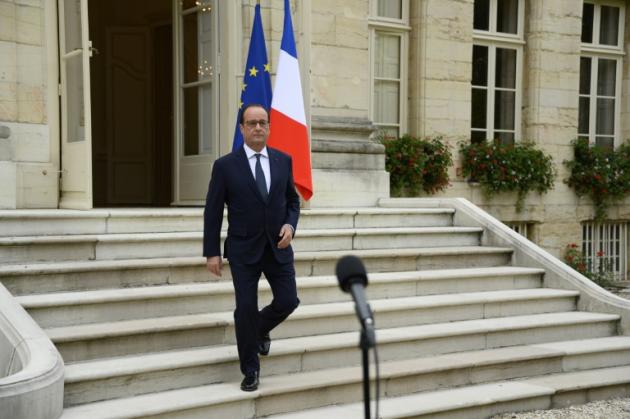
(90, 341)
(282, 393)
(541, 392)
(81, 307)
(399, 203)
(23, 279)
(90, 381)
(143, 220)
(99, 221)
(160, 245)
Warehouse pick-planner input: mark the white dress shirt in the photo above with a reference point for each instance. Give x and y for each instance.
(264, 162)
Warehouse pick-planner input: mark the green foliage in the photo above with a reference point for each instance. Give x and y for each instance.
(603, 275)
(416, 164)
(601, 174)
(519, 168)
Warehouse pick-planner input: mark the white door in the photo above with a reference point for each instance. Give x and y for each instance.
(196, 97)
(76, 136)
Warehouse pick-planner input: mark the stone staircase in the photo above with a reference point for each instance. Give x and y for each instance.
(464, 330)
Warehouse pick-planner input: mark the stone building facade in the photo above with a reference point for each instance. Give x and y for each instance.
(158, 104)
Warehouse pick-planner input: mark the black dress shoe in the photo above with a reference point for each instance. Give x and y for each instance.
(250, 382)
(264, 344)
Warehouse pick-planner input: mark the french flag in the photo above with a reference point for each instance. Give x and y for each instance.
(289, 132)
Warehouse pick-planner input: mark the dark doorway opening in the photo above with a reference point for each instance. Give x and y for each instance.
(132, 102)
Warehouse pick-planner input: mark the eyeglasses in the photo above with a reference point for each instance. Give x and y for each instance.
(252, 124)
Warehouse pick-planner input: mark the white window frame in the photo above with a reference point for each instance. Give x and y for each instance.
(595, 52)
(603, 237)
(493, 40)
(397, 27)
(209, 146)
(521, 227)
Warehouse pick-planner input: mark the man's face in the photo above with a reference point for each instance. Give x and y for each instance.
(255, 128)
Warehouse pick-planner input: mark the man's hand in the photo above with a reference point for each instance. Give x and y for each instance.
(214, 264)
(286, 235)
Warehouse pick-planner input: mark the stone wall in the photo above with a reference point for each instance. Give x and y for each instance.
(439, 104)
(26, 171)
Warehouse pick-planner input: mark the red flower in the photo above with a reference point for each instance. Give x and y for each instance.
(600, 254)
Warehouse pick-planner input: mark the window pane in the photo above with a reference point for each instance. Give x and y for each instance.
(191, 54)
(198, 120)
(585, 75)
(198, 46)
(75, 129)
(386, 102)
(191, 122)
(479, 108)
(504, 103)
(605, 117)
(588, 10)
(606, 77)
(387, 56)
(505, 138)
(481, 18)
(506, 68)
(605, 142)
(480, 66)
(584, 114)
(72, 17)
(390, 8)
(609, 25)
(507, 16)
(207, 118)
(477, 137)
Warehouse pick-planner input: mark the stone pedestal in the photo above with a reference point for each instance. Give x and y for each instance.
(348, 167)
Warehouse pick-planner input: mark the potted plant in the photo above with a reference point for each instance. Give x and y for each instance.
(601, 174)
(519, 167)
(416, 164)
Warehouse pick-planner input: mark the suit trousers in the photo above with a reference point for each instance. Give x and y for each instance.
(250, 323)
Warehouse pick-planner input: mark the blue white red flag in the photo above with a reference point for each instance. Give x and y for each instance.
(289, 132)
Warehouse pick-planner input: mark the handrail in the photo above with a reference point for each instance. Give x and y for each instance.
(557, 274)
(31, 369)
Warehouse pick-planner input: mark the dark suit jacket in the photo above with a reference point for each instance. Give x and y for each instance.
(252, 223)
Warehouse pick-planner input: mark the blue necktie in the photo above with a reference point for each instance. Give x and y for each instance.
(260, 179)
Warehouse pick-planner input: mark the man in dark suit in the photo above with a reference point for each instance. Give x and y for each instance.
(256, 183)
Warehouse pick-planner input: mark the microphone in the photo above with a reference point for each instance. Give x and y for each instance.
(352, 278)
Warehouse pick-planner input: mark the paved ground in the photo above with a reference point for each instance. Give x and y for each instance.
(604, 409)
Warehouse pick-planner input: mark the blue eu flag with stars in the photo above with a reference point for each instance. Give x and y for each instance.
(256, 87)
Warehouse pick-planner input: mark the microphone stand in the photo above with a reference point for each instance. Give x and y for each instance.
(367, 341)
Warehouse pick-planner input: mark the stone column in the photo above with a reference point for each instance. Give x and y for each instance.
(8, 101)
(26, 172)
(440, 68)
(439, 76)
(348, 167)
(551, 77)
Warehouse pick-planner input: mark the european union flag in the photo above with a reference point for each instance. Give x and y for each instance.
(256, 78)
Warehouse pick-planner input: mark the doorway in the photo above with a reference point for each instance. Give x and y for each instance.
(132, 102)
